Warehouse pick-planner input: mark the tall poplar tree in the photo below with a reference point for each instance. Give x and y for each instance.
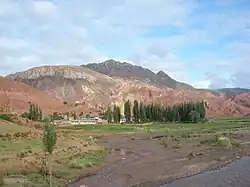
(136, 111)
(127, 111)
(142, 113)
(109, 115)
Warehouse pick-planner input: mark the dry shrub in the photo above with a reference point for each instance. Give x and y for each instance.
(2, 183)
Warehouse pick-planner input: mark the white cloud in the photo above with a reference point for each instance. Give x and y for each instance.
(69, 32)
(202, 84)
(35, 32)
(12, 43)
(46, 10)
(7, 8)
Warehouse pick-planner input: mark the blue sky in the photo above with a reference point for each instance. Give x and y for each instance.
(205, 43)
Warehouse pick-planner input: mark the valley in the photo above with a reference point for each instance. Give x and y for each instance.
(120, 155)
(174, 130)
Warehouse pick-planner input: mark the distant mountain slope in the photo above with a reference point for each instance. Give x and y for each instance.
(232, 90)
(95, 91)
(17, 96)
(125, 70)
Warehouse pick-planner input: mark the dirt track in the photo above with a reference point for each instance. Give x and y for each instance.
(142, 161)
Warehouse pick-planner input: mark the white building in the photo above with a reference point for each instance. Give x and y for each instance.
(83, 121)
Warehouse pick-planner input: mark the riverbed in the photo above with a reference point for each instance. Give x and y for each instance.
(235, 175)
(143, 161)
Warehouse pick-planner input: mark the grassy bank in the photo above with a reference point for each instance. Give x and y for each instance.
(23, 161)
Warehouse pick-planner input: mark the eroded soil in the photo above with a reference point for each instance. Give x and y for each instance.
(152, 159)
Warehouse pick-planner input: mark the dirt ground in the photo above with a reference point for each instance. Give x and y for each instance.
(152, 159)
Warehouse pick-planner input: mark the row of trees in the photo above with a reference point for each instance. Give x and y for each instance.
(185, 112)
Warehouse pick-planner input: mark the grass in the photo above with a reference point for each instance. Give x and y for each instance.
(81, 162)
(212, 126)
(8, 127)
(6, 117)
(15, 146)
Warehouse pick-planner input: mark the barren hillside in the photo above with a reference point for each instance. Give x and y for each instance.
(94, 91)
(16, 97)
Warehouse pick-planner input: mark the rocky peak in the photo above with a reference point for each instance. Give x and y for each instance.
(162, 74)
(122, 69)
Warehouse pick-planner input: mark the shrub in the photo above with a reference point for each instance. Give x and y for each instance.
(75, 164)
(223, 142)
(164, 142)
(2, 183)
(6, 117)
(25, 115)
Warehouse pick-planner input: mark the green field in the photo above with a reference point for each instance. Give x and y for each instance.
(212, 125)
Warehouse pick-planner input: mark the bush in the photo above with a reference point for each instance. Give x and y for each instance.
(223, 142)
(26, 115)
(2, 183)
(6, 117)
(75, 164)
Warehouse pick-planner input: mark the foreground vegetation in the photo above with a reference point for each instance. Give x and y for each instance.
(77, 146)
(24, 161)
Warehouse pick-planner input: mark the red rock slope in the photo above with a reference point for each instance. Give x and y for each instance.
(15, 96)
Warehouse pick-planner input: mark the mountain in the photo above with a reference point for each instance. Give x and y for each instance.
(73, 84)
(17, 96)
(232, 90)
(125, 70)
(92, 91)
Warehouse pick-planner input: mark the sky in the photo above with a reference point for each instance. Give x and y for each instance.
(205, 43)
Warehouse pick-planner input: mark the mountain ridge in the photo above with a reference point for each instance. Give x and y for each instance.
(94, 91)
(123, 69)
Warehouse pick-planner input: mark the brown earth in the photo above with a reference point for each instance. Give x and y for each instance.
(94, 91)
(143, 161)
(16, 97)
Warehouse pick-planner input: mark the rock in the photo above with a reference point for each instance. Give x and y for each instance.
(122, 152)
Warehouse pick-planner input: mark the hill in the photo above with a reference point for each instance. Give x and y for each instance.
(232, 90)
(16, 97)
(93, 91)
(125, 70)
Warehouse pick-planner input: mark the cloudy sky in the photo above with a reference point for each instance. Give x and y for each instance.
(202, 42)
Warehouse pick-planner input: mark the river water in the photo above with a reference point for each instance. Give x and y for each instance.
(235, 175)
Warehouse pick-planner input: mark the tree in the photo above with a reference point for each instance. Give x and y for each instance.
(35, 113)
(193, 116)
(127, 111)
(109, 115)
(142, 113)
(118, 114)
(115, 114)
(31, 112)
(49, 141)
(202, 109)
(136, 111)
